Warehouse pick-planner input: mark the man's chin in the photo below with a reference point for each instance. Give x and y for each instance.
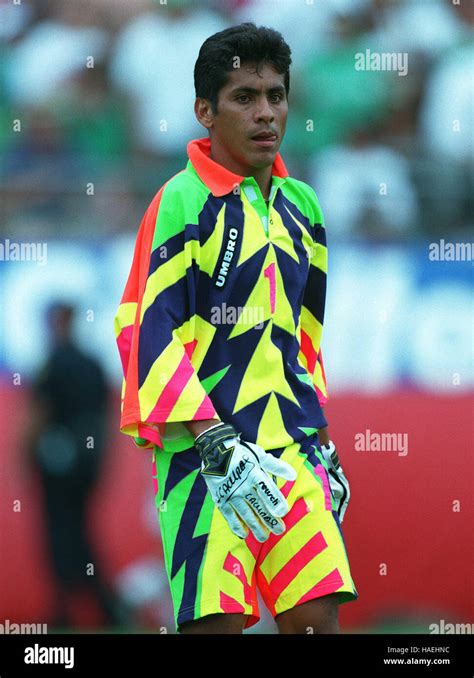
(262, 158)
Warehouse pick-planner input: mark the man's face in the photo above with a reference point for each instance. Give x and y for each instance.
(251, 118)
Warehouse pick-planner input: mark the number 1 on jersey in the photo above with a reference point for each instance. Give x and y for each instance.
(269, 272)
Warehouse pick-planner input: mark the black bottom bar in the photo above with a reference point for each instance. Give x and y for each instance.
(150, 654)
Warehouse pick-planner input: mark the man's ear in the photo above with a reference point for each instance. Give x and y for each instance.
(204, 113)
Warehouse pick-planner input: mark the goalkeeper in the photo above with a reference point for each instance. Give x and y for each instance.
(219, 332)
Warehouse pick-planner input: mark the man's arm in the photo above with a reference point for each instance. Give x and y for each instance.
(313, 309)
(155, 325)
(197, 427)
(323, 435)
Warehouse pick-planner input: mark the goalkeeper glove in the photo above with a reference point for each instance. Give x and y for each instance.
(337, 480)
(236, 475)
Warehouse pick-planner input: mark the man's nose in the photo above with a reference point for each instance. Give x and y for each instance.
(264, 111)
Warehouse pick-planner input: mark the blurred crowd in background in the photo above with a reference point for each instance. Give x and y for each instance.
(97, 101)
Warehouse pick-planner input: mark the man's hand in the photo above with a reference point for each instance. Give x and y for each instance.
(236, 474)
(337, 480)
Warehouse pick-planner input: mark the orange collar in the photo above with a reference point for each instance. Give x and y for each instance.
(217, 178)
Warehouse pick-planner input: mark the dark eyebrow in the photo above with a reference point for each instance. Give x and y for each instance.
(252, 90)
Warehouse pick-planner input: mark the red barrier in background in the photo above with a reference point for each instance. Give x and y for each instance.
(403, 517)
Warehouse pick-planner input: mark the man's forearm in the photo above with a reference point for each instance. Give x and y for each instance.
(200, 425)
(323, 434)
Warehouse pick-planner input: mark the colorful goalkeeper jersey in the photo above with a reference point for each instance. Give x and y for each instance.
(223, 309)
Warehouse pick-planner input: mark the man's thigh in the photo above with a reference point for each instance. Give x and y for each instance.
(210, 570)
(308, 562)
(215, 623)
(315, 616)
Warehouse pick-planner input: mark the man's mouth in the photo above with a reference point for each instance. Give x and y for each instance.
(265, 139)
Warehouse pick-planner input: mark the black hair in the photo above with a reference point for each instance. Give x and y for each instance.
(251, 44)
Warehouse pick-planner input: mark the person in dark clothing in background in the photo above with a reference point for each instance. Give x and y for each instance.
(65, 439)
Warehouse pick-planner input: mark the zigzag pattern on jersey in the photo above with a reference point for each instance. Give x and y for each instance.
(180, 364)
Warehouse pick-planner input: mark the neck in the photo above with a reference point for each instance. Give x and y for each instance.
(262, 175)
(264, 181)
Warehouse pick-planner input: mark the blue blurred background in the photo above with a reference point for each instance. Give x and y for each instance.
(96, 110)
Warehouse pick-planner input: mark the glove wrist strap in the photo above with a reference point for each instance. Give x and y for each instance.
(331, 450)
(209, 438)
